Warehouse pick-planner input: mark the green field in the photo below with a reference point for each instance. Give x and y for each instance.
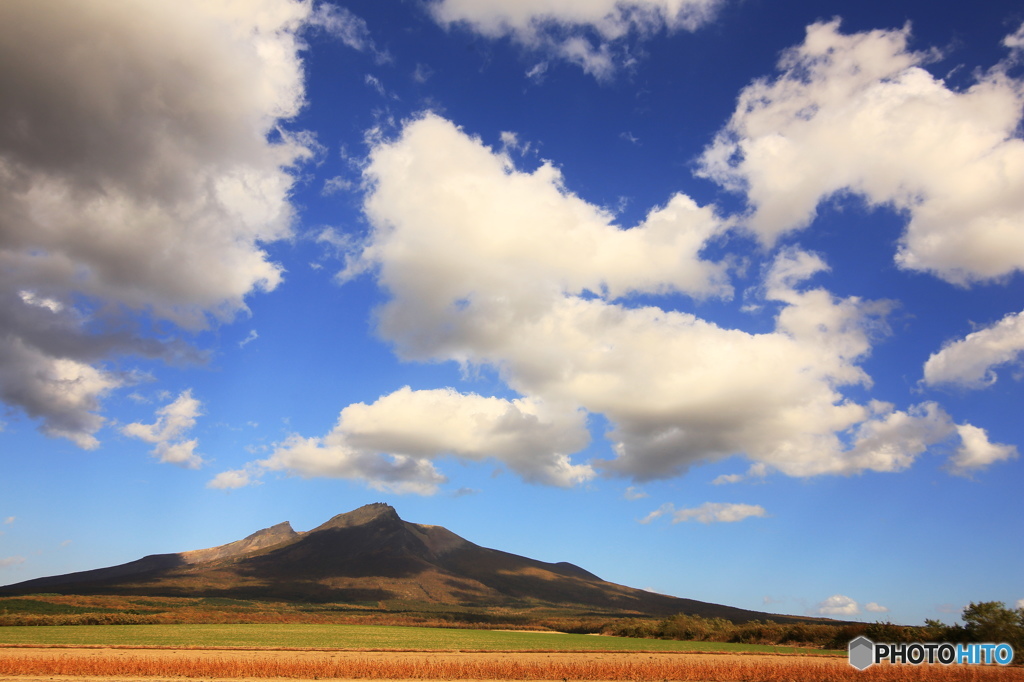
(350, 637)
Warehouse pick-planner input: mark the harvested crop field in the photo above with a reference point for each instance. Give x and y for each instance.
(28, 664)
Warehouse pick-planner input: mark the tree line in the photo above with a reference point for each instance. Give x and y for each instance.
(982, 622)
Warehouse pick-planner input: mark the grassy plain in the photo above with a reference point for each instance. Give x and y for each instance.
(121, 610)
(365, 637)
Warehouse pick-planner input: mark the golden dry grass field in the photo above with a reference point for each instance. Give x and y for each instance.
(54, 664)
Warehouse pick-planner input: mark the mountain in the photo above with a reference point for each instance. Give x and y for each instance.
(371, 555)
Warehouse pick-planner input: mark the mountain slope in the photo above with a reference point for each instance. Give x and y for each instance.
(370, 555)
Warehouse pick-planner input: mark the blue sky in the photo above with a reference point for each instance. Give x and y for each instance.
(717, 298)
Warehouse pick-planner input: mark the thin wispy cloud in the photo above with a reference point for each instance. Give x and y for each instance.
(252, 336)
(709, 512)
(634, 493)
(594, 35)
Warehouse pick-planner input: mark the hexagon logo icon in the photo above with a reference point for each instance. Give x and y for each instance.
(862, 652)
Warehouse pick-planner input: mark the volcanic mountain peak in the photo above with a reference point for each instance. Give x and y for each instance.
(261, 539)
(372, 555)
(377, 511)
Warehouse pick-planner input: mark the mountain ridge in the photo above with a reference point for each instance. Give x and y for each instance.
(371, 554)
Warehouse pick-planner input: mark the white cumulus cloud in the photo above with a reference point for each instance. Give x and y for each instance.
(977, 452)
(230, 480)
(970, 362)
(392, 443)
(536, 230)
(859, 113)
(166, 433)
(838, 605)
(873, 607)
(518, 295)
(539, 290)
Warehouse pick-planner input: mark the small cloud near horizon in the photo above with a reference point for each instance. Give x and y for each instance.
(838, 605)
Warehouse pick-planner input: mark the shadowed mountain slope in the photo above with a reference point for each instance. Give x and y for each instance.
(372, 555)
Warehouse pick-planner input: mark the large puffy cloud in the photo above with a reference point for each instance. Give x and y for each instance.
(558, 27)
(136, 173)
(858, 113)
(391, 443)
(969, 362)
(539, 288)
(520, 235)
